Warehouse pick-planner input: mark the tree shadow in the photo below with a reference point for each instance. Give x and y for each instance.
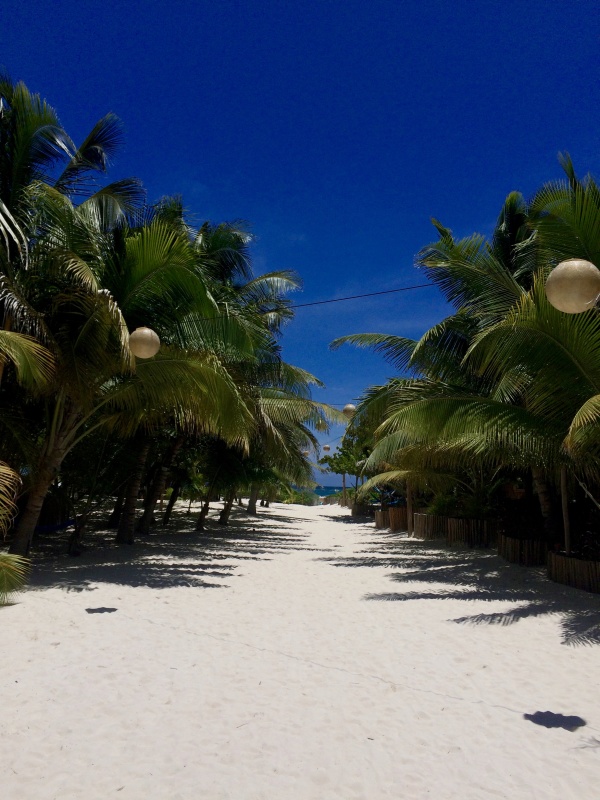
(347, 519)
(467, 575)
(165, 559)
(548, 719)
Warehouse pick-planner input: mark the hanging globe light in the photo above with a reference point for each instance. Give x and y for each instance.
(144, 343)
(348, 410)
(326, 448)
(321, 424)
(305, 453)
(573, 286)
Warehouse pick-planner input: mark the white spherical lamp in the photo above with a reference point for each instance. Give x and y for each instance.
(348, 410)
(326, 448)
(305, 453)
(573, 286)
(144, 343)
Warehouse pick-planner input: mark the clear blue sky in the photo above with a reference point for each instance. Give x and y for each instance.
(336, 128)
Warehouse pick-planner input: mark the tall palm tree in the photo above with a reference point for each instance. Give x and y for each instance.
(96, 381)
(455, 411)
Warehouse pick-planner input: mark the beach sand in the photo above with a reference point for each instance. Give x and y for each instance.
(310, 658)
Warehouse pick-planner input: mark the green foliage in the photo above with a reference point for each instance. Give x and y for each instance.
(80, 267)
(14, 570)
(14, 573)
(506, 383)
(350, 457)
(299, 497)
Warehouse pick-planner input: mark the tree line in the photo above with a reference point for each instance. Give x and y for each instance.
(500, 400)
(83, 263)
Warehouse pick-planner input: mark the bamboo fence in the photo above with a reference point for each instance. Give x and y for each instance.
(471, 532)
(527, 552)
(574, 572)
(430, 526)
(397, 518)
(382, 518)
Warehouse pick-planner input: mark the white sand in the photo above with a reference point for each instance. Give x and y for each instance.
(291, 680)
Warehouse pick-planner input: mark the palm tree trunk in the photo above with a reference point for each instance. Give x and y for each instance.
(565, 508)
(205, 507)
(546, 500)
(126, 529)
(75, 537)
(26, 523)
(252, 500)
(158, 484)
(54, 449)
(409, 510)
(172, 500)
(113, 520)
(224, 515)
(203, 513)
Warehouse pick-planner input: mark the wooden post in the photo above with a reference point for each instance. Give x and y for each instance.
(565, 508)
(410, 527)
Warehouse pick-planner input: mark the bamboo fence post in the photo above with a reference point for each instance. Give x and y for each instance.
(565, 508)
(410, 526)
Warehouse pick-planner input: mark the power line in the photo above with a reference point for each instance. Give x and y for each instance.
(335, 299)
(359, 296)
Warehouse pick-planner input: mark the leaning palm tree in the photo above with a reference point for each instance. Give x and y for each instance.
(88, 291)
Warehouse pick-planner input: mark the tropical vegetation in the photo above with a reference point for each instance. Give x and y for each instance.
(502, 398)
(83, 422)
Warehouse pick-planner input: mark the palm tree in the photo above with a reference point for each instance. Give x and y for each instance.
(455, 413)
(507, 380)
(80, 274)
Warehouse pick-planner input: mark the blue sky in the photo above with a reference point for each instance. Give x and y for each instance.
(337, 129)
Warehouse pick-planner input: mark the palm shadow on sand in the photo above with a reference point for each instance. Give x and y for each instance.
(165, 559)
(444, 573)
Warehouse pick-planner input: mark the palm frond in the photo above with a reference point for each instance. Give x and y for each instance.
(14, 574)
(93, 155)
(34, 364)
(397, 350)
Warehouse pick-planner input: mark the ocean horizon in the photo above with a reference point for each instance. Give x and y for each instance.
(323, 491)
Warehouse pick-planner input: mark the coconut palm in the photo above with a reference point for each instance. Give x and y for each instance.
(79, 271)
(457, 412)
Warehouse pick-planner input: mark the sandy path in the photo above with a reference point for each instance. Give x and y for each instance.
(260, 666)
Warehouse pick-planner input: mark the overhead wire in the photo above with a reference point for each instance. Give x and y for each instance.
(339, 299)
(360, 296)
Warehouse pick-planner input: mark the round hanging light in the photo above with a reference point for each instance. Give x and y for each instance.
(348, 410)
(144, 343)
(321, 424)
(573, 286)
(305, 453)
(326, 447)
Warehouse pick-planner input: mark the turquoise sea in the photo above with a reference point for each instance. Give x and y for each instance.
(323, 491)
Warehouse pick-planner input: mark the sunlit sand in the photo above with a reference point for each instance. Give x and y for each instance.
(302, 655)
